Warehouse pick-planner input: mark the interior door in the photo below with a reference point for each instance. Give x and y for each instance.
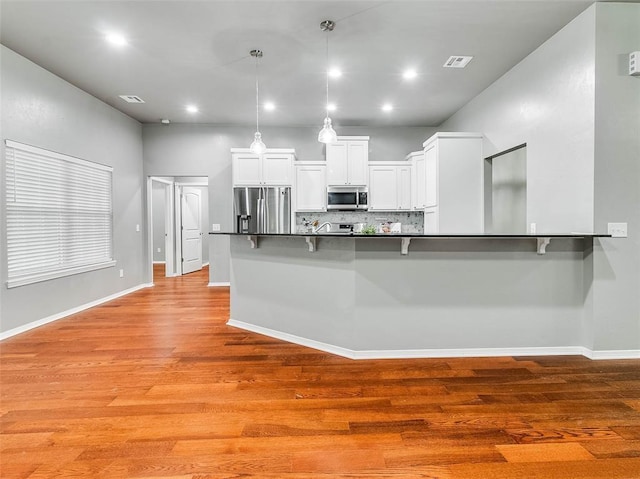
(191, 209)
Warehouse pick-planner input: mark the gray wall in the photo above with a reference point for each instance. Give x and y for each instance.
(363, 295)
(204, 150)
(40, 109)
(547, 102)
(509, 193)
(615, 317)
(574, 105)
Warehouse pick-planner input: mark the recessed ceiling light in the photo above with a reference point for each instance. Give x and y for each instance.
(457, 61)
(192, 109)
(269, 106)
(116, 39)
(409, 74)
(387, 107)
(335, 73)
(331, 107)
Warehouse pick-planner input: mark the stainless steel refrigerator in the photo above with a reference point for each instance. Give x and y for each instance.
(262, 209)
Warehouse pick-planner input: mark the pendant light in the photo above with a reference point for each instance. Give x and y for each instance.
(257, 147)
(327, 134)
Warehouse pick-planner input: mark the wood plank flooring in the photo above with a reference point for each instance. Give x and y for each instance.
(155, 385)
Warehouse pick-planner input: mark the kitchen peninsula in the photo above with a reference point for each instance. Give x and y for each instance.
(361, 296)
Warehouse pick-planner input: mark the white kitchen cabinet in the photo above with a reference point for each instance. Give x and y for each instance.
(310, 186)
(273, 168)
(418, 195)
(347, 161)
(454, 183)
(389, 186)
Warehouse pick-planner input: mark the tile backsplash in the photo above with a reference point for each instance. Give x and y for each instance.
(412, 221)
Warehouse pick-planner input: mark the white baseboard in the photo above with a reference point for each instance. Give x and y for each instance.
(159, 262)
(291, 338)
(614, 354)
(436, 353)
(223, 283)
(69, 312)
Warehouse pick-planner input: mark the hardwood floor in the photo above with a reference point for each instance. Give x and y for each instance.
(155, 385)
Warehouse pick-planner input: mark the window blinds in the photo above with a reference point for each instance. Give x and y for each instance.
(59, 214)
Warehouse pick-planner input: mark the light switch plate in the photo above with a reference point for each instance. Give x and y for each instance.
(215, 227)
(617, 230)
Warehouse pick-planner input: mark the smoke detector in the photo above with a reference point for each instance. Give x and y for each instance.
(132, 98)
(457, 61)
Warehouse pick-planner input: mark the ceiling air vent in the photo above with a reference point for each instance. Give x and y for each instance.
(132, 98)
(457, 61)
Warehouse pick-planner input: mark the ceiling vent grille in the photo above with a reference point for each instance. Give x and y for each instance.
(457, 61)
(132, 98)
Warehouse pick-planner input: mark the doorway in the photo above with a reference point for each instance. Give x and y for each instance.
(506, 191)
(178, 213)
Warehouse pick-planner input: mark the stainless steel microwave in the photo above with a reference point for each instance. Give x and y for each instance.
(347, 198)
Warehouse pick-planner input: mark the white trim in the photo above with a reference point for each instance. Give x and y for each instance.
(204, 265)
(159, 262)
(291, 338)
(291, 151)
(222, 283)
(198, 184)
(614, 354)
(436, 353)
(161, 180)
(69, 312)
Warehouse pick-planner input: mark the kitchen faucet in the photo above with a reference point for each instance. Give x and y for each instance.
(326, 223)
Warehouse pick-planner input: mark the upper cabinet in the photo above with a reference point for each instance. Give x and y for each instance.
(390, 186)
(274, 168)
(454, 183)
(311, 186)
(347, 161)
(418, 188)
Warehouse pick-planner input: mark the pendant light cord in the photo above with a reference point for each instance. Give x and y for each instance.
(257, 97)
(327, 73)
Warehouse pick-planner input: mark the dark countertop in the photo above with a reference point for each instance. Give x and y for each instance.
(418, 235)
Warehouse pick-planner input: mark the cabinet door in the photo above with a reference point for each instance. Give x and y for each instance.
(277, 169)
(358, 157)
(311, 190)
(431, 175)
(383, 188)
(246, 169)
(336, 164)
(419, 184)
(404, 187)
(431, 221)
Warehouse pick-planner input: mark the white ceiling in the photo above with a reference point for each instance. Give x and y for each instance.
(183, 52)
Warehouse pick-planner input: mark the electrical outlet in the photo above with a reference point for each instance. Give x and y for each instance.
(532, 228)
(137, 228)
(215, 227)
(122, 273)
(617, 230)
(159, 250)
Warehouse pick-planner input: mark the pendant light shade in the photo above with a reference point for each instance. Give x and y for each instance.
(327, 134)
(257, 146)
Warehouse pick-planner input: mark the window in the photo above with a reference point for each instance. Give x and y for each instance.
(59, 215)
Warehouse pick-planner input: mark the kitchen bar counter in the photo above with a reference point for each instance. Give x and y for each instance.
(311, 238)
(453, 295)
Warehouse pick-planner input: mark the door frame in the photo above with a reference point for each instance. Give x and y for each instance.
(173, 222)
